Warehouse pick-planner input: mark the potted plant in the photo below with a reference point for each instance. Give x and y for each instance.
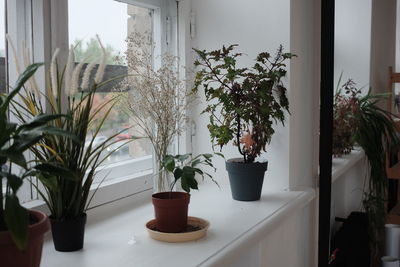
(68, 167)
(243, 104)
(345, 108)
(21, 230)
(157, 101)
(372, 128)
(171, 208)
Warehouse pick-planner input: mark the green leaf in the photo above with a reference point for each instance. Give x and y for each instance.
(195, 162)
(193, 183)
(15, 157)
(219, 154)
(17, 220)
(198, 171)
(25, 140)
(49, 181)
(184, 157)
(207, 156)
(40, 120)
(51, 130)
(13, 181)
(56, 170)
(22, 79)
(168, 163)
(178, 173)
(185, 185)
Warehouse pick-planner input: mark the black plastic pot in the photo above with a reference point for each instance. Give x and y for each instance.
(68, 235)
(246, 179)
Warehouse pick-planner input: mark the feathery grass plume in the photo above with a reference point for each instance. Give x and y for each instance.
(75, 78)
(102, 66)
(69, 68)
(53, 72)
(31, 83)
(86, 76)
(14, 51)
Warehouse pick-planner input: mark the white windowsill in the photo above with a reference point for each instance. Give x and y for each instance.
(233, 225)
(344, 163)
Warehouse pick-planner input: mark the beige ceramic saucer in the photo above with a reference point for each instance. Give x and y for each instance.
(180, 237)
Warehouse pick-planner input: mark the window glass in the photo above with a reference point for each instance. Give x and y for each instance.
(112, 21)
(2, 59)
(2, 47)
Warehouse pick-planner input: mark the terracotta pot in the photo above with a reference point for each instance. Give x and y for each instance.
(68, 235)
(171, 211)
(11, 256)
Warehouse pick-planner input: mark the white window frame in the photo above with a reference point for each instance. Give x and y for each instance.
(19, 28)
(45, 26)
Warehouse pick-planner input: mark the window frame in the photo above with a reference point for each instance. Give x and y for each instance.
(45, 28)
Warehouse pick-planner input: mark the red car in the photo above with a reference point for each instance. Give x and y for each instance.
(123, 134)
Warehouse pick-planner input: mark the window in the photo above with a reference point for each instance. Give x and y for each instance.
(78, 25)
(2, 47)
(83, 28)
(113, 21)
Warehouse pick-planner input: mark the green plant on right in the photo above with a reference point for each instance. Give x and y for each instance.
(373, 129)
(243, 103)
(185, 167)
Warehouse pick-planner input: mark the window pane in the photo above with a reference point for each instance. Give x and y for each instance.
(2, 47)
(2, 60)
(112, 21)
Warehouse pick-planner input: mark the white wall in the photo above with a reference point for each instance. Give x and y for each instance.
(261, 26)
(383, 42)
(304, 93)
(352, 40)
(347, 192)
(283, 247)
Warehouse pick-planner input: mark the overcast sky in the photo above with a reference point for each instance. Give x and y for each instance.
(2, 26)
(107, 18)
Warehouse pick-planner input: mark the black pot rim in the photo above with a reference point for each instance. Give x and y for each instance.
(77, 218)
(240, 161)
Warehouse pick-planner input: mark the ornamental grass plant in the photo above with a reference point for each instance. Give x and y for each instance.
(68, 165)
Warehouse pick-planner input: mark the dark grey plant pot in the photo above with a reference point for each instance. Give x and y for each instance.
(68, 235)
(246, 179)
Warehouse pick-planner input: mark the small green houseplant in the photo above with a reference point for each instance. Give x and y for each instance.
(69, 166)
(171, 208)
(21, 230)
(244, 104)
(372, 128)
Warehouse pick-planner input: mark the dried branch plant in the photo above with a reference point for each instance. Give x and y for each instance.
(157, 99)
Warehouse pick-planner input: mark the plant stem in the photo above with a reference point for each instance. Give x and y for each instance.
(238, 139)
